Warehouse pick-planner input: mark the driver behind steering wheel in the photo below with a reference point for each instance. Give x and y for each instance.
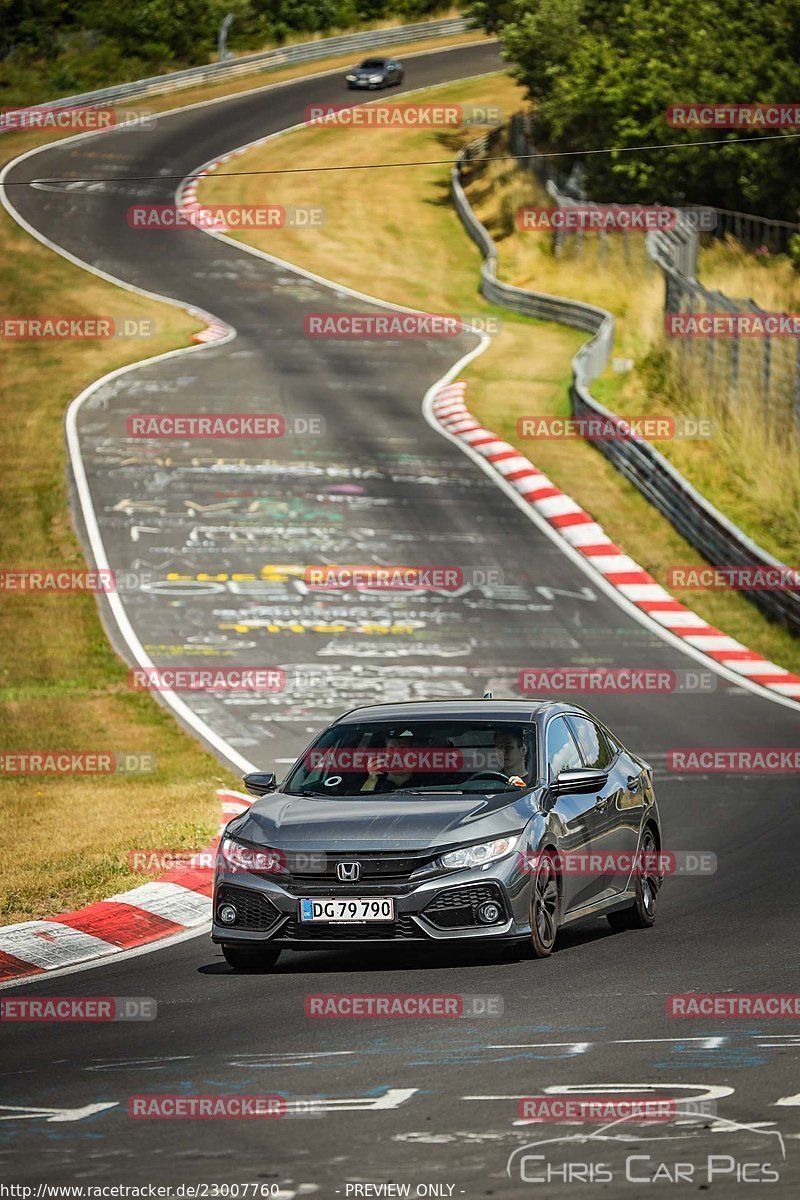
(512, 756)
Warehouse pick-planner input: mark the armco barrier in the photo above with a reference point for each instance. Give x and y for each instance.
(268, 60)
(720, 541)
(762, 372)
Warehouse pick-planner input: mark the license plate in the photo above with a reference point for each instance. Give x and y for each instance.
(348, 910)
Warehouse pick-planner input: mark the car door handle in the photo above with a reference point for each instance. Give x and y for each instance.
(602, 803)
(634, 782)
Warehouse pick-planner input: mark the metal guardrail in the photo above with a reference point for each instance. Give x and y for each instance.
(764, 369)
(533, 304)
(720, 541)
(266, 61)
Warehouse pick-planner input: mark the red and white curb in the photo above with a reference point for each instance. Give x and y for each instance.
(586, 536)
(215, 331)
(188, 204)
(179, 901)
(190, 207)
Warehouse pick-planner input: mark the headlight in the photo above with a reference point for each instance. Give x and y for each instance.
(375, 78)
(476, 856)
(350, 78)
(236, 857)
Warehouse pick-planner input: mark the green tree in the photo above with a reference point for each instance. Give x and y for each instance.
(602, 75)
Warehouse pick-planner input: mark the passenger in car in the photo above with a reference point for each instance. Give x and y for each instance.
(379, 779)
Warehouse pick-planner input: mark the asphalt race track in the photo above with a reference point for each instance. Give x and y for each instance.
(422, 1102)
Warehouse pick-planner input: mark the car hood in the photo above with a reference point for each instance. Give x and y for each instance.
(364, 71)
(379, 823)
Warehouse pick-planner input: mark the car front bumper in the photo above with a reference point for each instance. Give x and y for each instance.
(441, 909)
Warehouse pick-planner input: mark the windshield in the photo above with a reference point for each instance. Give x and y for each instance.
(374, 63)
(417, 757)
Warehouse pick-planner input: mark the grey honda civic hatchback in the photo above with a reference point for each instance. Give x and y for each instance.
(484, 821)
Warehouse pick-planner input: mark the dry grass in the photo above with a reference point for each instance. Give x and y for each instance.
(726, 266)
(398, 217)
(372, 217)
(63, 840)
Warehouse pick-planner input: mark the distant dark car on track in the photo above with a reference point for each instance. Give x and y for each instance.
(375, 73)
(439, 822)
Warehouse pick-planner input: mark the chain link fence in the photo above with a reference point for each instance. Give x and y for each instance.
(720, 541)
(744, 363)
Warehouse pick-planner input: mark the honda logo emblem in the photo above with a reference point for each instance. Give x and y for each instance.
(348, 872)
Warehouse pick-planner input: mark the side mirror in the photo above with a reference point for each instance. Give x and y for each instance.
(258, 783)
(579, 779)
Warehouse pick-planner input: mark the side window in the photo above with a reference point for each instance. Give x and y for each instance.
(562, 753)
(594, 747)
(614, 745)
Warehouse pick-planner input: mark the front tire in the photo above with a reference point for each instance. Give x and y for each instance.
(544, 910)
(251, 959)
(642, 913)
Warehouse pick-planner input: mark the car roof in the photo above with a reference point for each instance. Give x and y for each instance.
(472, 710)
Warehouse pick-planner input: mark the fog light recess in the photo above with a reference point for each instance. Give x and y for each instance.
(489, 913)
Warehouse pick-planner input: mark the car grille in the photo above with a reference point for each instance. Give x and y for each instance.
(256, 911)
(402, 928)
(377, 867)
(458, 906)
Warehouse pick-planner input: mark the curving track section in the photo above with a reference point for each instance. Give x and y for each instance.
(418, 1102)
